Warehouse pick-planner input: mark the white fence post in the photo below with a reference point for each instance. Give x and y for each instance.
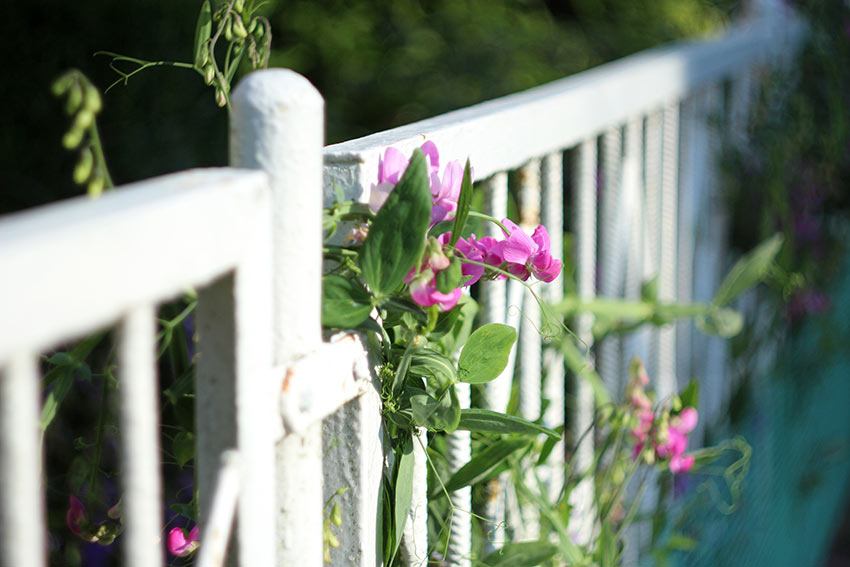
(278, 126)
(141, 472)
(22, 538)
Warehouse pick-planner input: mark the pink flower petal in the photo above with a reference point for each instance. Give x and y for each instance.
(687, 420)
(391, 166)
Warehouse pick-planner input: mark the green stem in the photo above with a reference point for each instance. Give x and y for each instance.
(97, 148)
(491, 219)
(98, 445)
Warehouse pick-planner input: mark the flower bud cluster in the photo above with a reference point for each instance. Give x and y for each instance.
(79, 523)
(82, 103)
(665, 431)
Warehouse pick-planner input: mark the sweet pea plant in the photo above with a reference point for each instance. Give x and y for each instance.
(398, 269)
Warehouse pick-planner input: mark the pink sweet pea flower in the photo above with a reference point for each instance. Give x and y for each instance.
(529, 254)
(426, 294)
(180, 545)
(445, 191)
(390, 169)
(677, 440)
(466, 250)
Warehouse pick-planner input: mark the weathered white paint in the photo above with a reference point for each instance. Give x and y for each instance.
(277, 125)
(206, 211)
(414, 542)
(219, 523)
(342, 363)
(141, 477)
(652, 224)
(22, 533)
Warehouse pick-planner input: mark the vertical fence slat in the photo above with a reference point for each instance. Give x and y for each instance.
(666, 377)
(22, 527)
(494, 294)
(611, 240)
(581, 497)
(554, 387)
(493, 301)
(141, 474)
(414, 544)
(691, 172)
(459, 452)
(278, 126)
(528, 372)
(651, 225)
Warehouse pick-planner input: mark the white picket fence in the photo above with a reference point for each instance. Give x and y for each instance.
(283, 419)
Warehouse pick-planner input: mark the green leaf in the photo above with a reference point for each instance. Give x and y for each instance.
(486, 353)
(455, 329)
(185, 510)
(451, 278)
(649, 290)
(436, 414)
(402, 489)
(438, 370)
(203, 29)
(523, 554)
(183, 447)
(345, 303)
(397, 235)
(607, 546)
(549, 446)
(749, 270)
(690, 396)
(721, 322)
(486, 421)
(463, 204)
(62, 378)
(482, 465)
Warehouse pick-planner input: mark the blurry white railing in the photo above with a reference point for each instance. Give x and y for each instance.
(293, 417)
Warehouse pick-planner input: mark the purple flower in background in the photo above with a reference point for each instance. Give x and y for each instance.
(807, 302)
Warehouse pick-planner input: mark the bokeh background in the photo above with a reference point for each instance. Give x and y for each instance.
(381, 64)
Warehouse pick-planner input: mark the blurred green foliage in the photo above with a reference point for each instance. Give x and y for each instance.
(379, 64)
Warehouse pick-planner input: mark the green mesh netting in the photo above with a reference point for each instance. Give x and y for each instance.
(798, 424)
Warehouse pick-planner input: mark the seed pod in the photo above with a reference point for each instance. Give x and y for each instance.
(203, 57)
(336, 515)
(253, 25)
(75, 99)
(228, 30)
(209, 74)
(73, 138)
(82, 171)
(95, 186)
(332, 540)
(220, 99)
(62, 84)
(239, 5)
(239, 28)
(93, 102)
(84, 119)
(258, 33)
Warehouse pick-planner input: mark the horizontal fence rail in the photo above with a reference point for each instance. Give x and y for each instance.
(285, 421)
